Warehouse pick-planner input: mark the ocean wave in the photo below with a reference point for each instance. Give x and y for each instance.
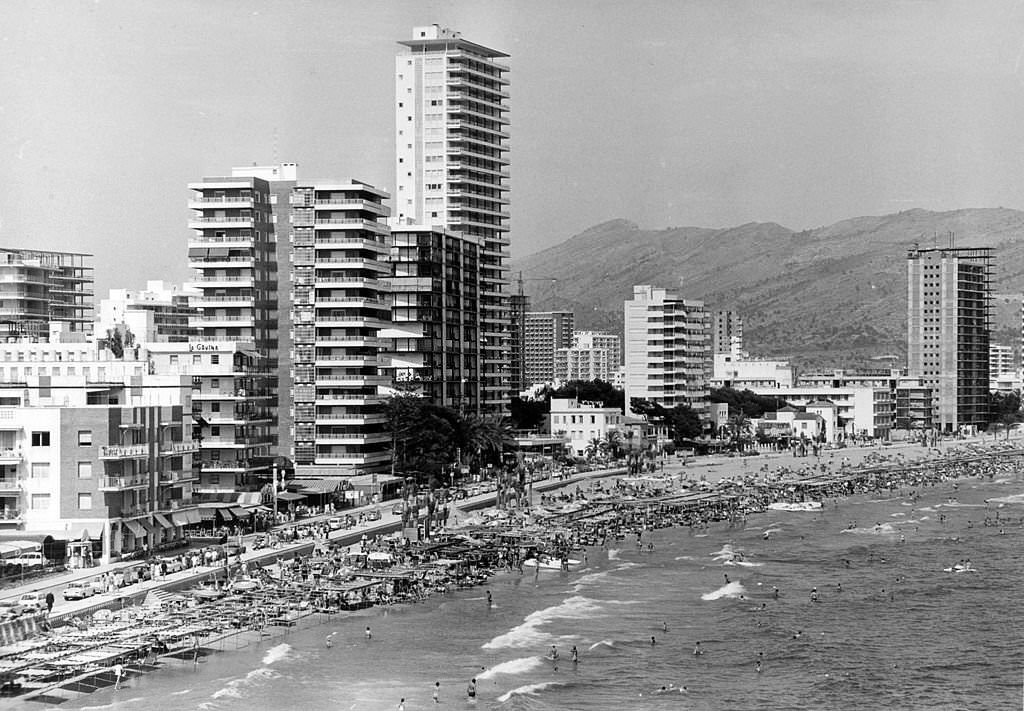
(530, 689)
(277, 653)
(882, 529)
(770, 531)
(732, 590)
(112, 705)
(512, 666)
(589, 579)
(683, 557)
(1012, 499)
(725, 553)
(529, 634)
(603, 643)
(744, 563)
(235, 689)
(801, 506)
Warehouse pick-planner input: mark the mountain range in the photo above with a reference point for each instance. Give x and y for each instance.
(830, 296)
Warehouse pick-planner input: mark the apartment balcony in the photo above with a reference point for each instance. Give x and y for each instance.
(175, 449)
(367, 419)
(206, 281)
(227, 202)
(349, 341)
(368, 263)
(354, 204)
(123, 483)
(344, 223)
(201, 241)
(10, 487)
(135, 510)
(347, 242)
(11, 456)
(325, 400)
(177, 477)
(225, 222)
(350, 380)
(221, 301)
(364, 459)
(215, 321)
(10, 518)
(124, 451)
(466, 125)
(354, 360)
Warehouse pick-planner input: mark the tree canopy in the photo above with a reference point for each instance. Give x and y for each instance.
(746, 402)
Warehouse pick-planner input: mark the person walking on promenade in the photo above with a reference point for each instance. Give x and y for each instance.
(49, 602)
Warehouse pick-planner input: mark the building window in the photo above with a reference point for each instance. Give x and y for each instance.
(40, 470)
(84, 502)
(215, 384)
(40, 502)
(197, 359)
(40, 439)
(174, 360)
(214, 359)
(85, 470)
(84, 438)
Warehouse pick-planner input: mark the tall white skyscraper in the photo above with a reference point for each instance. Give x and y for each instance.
(452, 170)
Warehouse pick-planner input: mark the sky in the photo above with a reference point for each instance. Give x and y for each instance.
(666, 113)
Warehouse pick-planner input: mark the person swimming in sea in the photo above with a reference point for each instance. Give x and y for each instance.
(697, 651)
(574, 655)
(814, 594)
(471, 688)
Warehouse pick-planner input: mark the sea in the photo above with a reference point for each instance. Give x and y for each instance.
(894, 626)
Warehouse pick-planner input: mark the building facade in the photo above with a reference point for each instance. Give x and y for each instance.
(1000, 360)
(727, 333)
(452, 169)
(862, 411)
(948, 325)
(160, 313)
(39, 288)
(546, 332)
(667, 349)
(434, 334)
(519, 304)
(592, 356)
(744, 372)
(582, 422)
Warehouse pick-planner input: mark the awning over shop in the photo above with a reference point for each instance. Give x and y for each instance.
(318, 486)
(290, 496)
(249, 498)
(179, 518)
(150, 528)
(137, 530)
(239, 513)
(162, 521)
(193, 516)
(207, 513)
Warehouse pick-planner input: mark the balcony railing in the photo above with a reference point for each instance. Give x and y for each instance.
(11, 455)
(119, 483)
(129, 451)
(174, 448)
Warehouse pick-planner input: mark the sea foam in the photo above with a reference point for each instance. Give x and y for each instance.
(801, 506)
(733, 589)
(276, 654)
(530, 689)
(528, 634)
(512, 666)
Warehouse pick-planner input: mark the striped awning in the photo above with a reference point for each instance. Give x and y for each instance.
(161, 520)
(239, 513)
(318, 486)
(136, 528)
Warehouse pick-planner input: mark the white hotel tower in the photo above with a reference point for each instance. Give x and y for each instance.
(452, 170)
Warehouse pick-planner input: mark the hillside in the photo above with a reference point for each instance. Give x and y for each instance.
(834, 295)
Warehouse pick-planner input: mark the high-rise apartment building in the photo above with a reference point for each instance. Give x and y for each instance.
(160, 313)
(727, 333)
(667, 351)
(546, 332)
(234, 254)
(592, 356)
(452, 169)
(434, 334)
(519, 304)
(39, 288)
(338, 238)
(948, 326)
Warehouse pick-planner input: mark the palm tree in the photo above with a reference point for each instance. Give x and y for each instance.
(739, 427)
(594, 447)
(613, 442)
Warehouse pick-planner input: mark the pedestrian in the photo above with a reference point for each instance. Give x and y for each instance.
(437, 692)
(49, 602)
(401, 705)
(118, 673)
(369, 635)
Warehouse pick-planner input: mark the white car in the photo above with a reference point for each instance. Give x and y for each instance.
(33, 602)
(10, 609)
(78, 591)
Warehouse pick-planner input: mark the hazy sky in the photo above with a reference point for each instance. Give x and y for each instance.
(665, 113)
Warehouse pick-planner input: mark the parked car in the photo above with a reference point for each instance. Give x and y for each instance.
(9, 609)
(335, 524)
(398, 509)
(174, 565)
(29, 560)
(373, 515)
(78, 590)
(97, 586)
(233, 549)
(33, 602)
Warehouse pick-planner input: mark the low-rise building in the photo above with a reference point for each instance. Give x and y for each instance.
(860, 411)
(743, 372)
(582, 422)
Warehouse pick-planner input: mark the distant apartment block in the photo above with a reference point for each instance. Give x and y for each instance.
(452, 169)
(667, 349)
(160, 313)
(1000, 360)
(742, 372)
(727, 333)
(948, 326)
(592, 356)
(40, 288)
(434, 335)
(546, 332)
(863, 410)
